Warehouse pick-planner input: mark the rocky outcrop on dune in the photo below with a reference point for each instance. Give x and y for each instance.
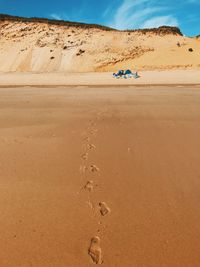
(42, 45)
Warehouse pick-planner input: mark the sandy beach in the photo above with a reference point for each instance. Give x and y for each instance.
(52, 79)
(94, 169)
(99, 174)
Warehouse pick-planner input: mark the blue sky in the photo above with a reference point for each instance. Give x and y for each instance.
(120, 14)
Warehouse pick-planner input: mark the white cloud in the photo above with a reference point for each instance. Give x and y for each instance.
(124, 14)
(107, 11)
(59, 16)
(160, 21)
(142, 13)
(55, 16)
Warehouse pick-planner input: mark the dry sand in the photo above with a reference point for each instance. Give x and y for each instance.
(100, 174)
(175, 77)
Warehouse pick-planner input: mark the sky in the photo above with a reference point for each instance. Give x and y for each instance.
(119, 14)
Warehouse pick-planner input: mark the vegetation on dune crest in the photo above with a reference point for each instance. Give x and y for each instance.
(163, 30)
(4, 17)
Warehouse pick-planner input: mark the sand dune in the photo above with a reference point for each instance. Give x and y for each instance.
(42, 47)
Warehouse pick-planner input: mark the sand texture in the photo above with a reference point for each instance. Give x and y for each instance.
(100, 176)
(173, 77)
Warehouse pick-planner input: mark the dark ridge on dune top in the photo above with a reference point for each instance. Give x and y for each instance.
(163, 30)
(4, 17)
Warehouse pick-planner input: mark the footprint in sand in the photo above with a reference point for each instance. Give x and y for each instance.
(89, 186)
(92, 122)
(93, 131)
(95, 251)
(91, 146)
(84, 156)
(86, 139)
(94, 168)
(104, 209)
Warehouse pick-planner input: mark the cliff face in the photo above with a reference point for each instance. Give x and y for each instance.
(42, 45)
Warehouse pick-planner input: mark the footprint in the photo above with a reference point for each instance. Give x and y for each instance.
(93, 131)
(94, 168)
(89, 186)
(84, 156)
(91, 146)
(86, 139)
(92, 123)
(104, 209)
(95, 251)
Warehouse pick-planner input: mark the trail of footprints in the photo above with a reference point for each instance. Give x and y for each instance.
(94, 249)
